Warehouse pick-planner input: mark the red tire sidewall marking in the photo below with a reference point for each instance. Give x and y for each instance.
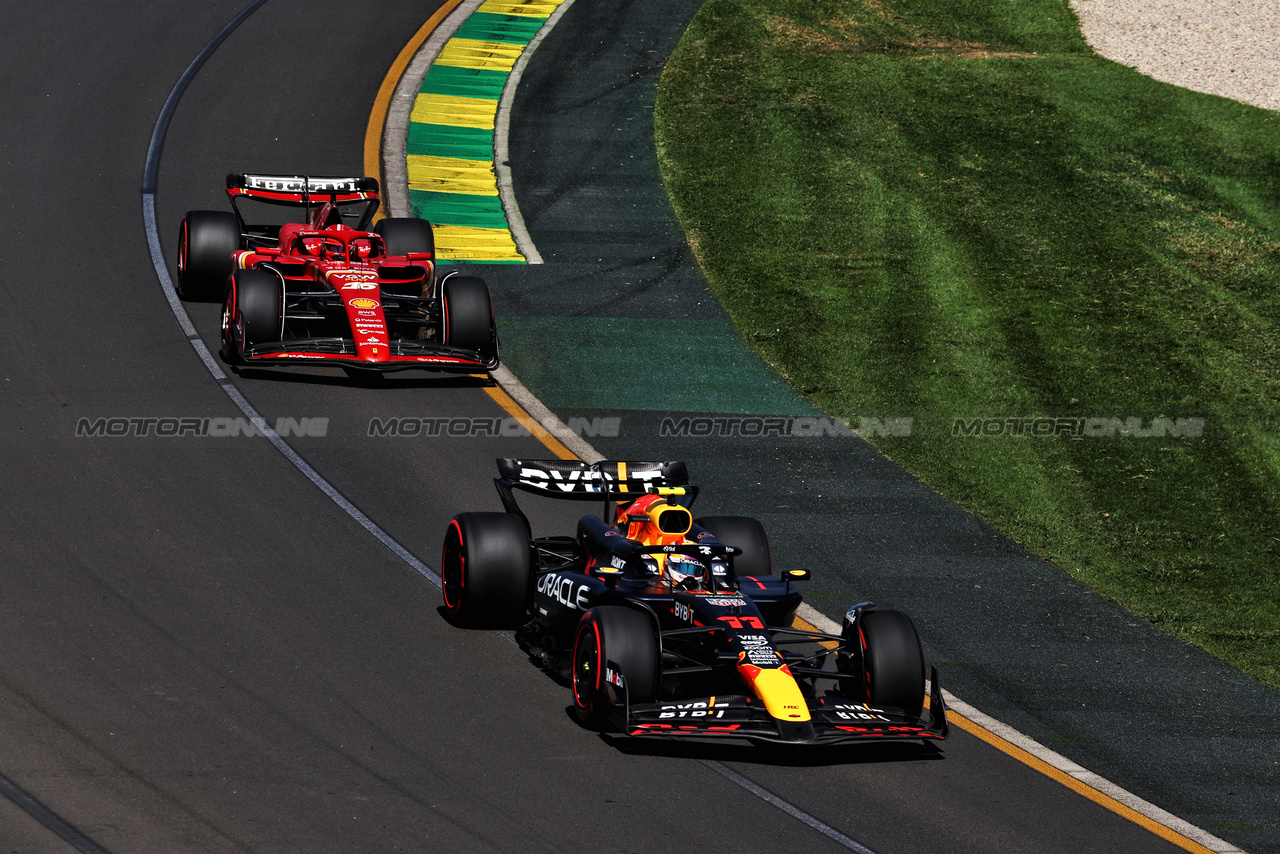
(462, 569)
(595, 629)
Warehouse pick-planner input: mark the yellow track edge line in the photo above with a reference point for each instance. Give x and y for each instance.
(507, 402)
(1037, 764)
(382, 102)
(1077, 786)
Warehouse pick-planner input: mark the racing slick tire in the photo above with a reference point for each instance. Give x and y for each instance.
(747, 534)
(486, 570)
(405, 234)
(628, 638)
(255, 297)
(205, 244)
(467, 309)
(891, 662)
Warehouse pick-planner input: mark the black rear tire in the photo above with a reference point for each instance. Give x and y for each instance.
(628, 638)
(892, 661)
(468, 315)
(404, 234)
(255, 298)
(744, 533)
(486, 569)
(205, 244)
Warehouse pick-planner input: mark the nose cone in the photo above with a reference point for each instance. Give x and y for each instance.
(777, 689)
(361, 298)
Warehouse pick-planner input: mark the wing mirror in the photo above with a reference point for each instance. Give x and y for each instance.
(796, 575)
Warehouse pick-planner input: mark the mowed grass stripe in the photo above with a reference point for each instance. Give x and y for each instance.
(980, 220)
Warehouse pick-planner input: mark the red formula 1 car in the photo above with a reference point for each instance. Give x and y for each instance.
(670, 627)
(331, 292)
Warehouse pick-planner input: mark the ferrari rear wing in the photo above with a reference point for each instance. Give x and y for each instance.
(300, 189)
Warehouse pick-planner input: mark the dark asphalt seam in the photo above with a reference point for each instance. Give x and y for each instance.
(49, 818)
(149, 174)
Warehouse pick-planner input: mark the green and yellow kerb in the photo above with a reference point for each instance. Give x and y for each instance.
(450, 143)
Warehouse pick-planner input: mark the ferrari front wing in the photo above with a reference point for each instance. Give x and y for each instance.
(401, 355)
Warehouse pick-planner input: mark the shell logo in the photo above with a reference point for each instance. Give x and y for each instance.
(364, 302)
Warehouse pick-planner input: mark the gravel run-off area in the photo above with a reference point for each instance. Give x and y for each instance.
(1224, 47)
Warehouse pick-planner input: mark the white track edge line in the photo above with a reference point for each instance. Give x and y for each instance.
(394, 152)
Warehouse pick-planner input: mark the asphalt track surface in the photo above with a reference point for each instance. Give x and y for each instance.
(200, 652)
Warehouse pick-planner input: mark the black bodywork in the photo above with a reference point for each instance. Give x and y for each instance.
(723, 647)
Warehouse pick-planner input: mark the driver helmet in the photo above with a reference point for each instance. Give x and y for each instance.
(684, 571)
(335, 250)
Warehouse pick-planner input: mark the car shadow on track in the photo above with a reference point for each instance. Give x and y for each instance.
(367, 379)
(764, 753)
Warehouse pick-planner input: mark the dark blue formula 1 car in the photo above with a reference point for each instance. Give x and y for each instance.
(667, 626)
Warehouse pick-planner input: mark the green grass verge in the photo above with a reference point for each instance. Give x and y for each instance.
(946, 209)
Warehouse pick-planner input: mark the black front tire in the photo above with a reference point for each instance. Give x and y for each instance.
(205, 244)
(628, 638)
(404, 234)
(747, 534)
(889, 660)
(254, 301)
(486, 570)
(467, 309)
